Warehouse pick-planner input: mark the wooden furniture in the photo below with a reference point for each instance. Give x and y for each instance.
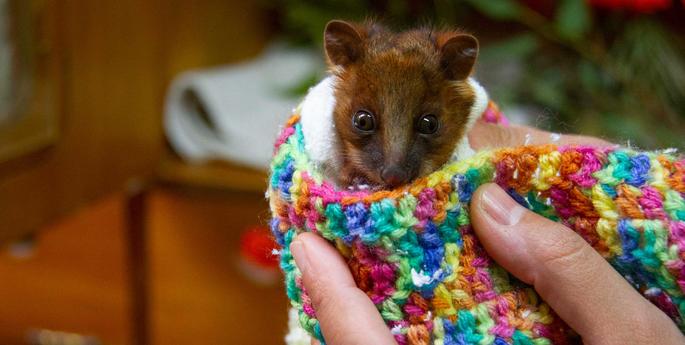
(79, 277)
(241, 187)
(134, 247)
(235, 193)
(212, 175)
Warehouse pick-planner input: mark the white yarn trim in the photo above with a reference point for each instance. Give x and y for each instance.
(480, 103)
(296, 334)
(316, 117)
(463, 149)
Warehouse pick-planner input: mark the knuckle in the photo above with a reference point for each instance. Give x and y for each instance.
(654, 324)
(507, 137)
(327, 299)
(319, 293)
(565, 253)
(643, 333)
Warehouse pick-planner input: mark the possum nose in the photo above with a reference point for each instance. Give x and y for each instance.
(394, 176)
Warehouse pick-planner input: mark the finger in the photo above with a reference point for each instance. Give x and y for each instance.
(572, 139)
(568, 274)
(345, 313)
(315, 342)
(486, 136)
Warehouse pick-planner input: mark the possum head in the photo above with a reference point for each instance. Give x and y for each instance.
(403, 100)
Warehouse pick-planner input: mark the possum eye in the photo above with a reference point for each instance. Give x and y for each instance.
(427, 124)
(364, 121)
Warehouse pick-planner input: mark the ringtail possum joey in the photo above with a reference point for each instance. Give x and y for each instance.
(403, 101)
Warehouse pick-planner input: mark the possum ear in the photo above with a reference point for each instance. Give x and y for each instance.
(343, 43)
(458, 55)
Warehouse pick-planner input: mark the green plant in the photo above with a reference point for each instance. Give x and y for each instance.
(612, 69)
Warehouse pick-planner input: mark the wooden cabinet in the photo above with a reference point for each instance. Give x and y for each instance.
(198, 293)
(74, 279)
(78, 277)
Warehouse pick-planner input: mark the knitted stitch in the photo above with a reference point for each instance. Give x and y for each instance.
(414, 253)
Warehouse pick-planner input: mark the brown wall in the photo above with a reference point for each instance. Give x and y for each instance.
(107, 64)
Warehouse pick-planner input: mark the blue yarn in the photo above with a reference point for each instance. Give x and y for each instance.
(434, 252)
(518, 198)
(463, 187)
(639, 170)
(285, 179)
(500, 341)
(278, 235)
(627, 263)
(358, 222)
(611, 192)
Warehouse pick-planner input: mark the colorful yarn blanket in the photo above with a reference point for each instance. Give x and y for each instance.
(414, 253)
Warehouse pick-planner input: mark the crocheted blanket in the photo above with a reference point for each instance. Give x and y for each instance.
(414, 253)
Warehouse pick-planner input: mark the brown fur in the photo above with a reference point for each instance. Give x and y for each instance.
(398, 77)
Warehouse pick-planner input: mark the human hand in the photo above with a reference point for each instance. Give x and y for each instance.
(568, 274)
(345, 313)
(486, 136)
(581, 287)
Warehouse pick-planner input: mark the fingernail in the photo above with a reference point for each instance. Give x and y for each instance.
(500, 206)
(300, 255)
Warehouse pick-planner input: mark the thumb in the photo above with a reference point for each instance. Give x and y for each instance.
(345, 313)
(581, 287)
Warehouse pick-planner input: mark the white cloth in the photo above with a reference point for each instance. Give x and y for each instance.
(245, 104)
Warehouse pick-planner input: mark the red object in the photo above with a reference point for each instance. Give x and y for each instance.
(641, 6)
(257, 246)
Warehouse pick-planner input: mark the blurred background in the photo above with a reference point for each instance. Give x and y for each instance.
(135, 139)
